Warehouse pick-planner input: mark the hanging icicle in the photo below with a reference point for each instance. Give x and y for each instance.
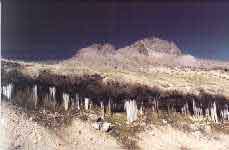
(141, 109)
(185, 109)
(225, 112)
(7, 90)
(77, 101)
(90, 105)
(35, 97)
(213, 110)
(109, 106)
(102, 109)
(86, 103)
(131, 110)
(197, 110)
(194, 108)
(66, 101)
(154, 106)
(52, 92)
(207, 113)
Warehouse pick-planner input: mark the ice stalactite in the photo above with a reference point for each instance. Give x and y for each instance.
(102, 110)
(141, 109)
(77, 101)
(35, 96)
(7, 90)
(198, 112)
(109, 106)
(52, 92)
(207, 113)
(155, 105)
(131, 110)
(86, 103)
(66, 100)
(225, 112)
(52, 96)
(194, 108)
(213, 111)
(90, 105)
(185, 109)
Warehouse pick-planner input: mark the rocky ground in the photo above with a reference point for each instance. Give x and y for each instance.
(161, 138)
(20, 132)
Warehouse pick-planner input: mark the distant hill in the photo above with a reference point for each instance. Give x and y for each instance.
(141, 54)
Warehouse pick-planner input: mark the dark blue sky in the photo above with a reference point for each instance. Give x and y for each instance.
(55, 29)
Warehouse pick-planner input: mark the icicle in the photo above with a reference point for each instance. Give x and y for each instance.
(109, 106)
(3, 90)
(66, 100)
(214, 116)
(114, 106)
(141, 109)
(77, 101)
(207, 113)
(198, 112)
(225, 112)
(184, 109)
(194, 108)
(35, 97)
(131, 110)
(86, 102)
(201, 112)
(90, 105)
(52, 91)
(154, 107)
(7, 90)
(102, 110)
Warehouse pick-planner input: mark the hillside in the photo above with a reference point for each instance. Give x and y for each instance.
(166, 67)
(141, 93)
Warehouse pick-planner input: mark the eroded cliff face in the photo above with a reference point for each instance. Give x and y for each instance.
(67, 93)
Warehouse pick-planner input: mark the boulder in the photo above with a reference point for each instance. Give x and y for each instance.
(106, 126)
(100, 124)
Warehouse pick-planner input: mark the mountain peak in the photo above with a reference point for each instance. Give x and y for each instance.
(153, 44)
